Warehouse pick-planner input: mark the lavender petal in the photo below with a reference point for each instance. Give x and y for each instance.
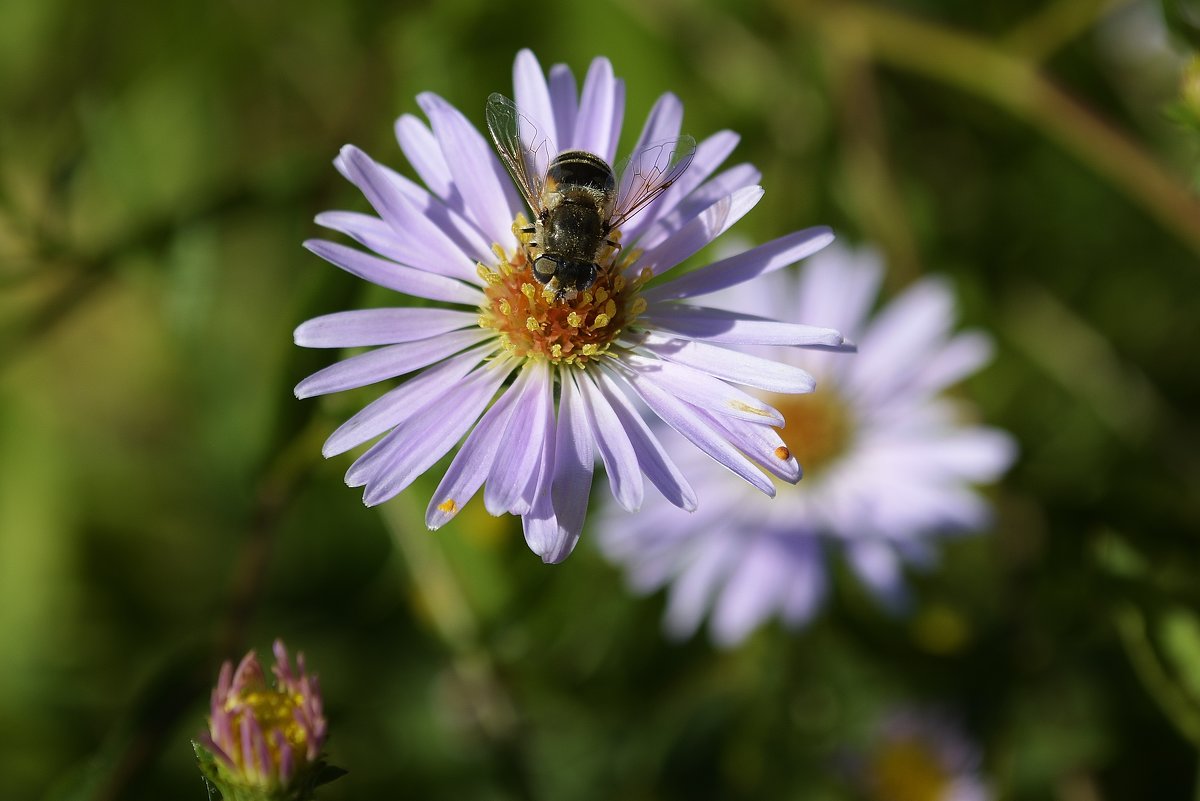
(730, 365)
(573, 466)
(396, 406)
(616, 451)
(687, 420)
(701, 230)
(597, 112)
(701, 390)
(782, 252)
(387, 362)
(474, 459)
(652, 457)
(492, 201)
(396, 277)
(718, 326)
(368, 327)
(521, 446)
(532, 95)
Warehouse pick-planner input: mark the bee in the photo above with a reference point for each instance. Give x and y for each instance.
(577, 200)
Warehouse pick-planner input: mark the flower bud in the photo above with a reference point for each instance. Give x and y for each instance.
(264, 739)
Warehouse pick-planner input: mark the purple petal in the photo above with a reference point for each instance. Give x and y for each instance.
(689, 422)
(489, 197)
(782, 252)
(702, 229)
(366, 327)
(740, 177)
(616, 451)
(808, 582)
(387, 362)
(421, 149)
(838, 287)
(700, 389)
(427, 246)
(691, 593)
(368, 230)
(426, 437)
(450, 221)
(532, 95)
(753, 592)
(573, 465)
(614, 132)
(906, 333)
(539, 524)
(730, 365)
(709, 155)
(521, 447)
(396, 406)
(875, 563)
(396, 277)
(652, 457)
(959, 358)
(565, 100)
(598, 110)
(761, 443)
(716, 325)
(474, 459)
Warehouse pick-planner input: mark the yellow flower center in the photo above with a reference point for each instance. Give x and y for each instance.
(819, 427)
(275, 711)
(534, 323)
(906, 770)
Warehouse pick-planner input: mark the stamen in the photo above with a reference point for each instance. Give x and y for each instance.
(535, 320)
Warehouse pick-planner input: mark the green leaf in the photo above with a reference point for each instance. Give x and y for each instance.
(1180, 632)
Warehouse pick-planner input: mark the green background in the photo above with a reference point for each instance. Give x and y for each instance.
(163, 504)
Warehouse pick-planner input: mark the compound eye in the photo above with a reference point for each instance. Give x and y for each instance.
(544, 268)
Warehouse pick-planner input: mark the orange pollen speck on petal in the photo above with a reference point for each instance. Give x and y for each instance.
(819, 428)
(534, 323)
(448, 506)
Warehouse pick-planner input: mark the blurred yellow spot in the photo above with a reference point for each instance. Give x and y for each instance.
(448, 506)
(940, 629)
(907, 770)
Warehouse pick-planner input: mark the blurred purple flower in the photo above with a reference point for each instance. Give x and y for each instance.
(546, 382)
(889, 463)
(919, 755)
(264, 740)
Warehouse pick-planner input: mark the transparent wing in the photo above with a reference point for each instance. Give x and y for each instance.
(524, 149)
(647, 173)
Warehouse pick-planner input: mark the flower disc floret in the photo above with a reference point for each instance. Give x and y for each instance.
(533, 322)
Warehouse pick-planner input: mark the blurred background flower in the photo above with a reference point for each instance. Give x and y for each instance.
(918, 755)
(888, 458)
(163, 503)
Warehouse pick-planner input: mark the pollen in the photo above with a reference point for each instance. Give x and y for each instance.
(534, 323)
(448, 506)
(819, 428)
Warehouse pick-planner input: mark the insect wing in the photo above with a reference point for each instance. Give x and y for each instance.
(648, 173)
(521, 145)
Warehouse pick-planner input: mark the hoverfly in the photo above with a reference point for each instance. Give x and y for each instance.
(576, 198)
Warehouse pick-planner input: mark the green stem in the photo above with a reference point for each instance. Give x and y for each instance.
(441, 600)
(1177, 707)
(1015, 84)
(1048, 30)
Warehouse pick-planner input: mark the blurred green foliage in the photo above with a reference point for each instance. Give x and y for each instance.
(163, 505)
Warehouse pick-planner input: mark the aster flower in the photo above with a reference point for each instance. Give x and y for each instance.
(264, 741)
(537, 383)
(919, 755)
(889, 463)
